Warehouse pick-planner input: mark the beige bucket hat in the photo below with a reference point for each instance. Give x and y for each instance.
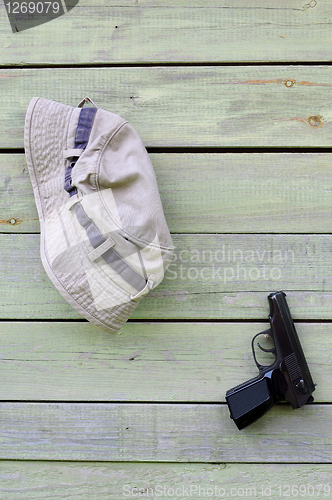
(104, 239)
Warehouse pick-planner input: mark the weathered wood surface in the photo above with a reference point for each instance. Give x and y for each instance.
(136, 31)
(101, 481)
(177, 362)
(213, 277)
(208, 193)
(263, 106)
(155, 392)
(162, 432)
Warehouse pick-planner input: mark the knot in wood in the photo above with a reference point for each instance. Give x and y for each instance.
(290, 83)
(315, 121)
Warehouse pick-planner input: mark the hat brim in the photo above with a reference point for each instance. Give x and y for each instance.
(63, 245)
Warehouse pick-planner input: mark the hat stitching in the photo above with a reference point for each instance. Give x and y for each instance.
(121, 317)
(82, 135)
(118, 291)
(94, 181)
(101, 268)
(123, 294)
(94, 165)
(102, 236)
(35, 114)
(133, 237)
(114, 315)
(81, 304)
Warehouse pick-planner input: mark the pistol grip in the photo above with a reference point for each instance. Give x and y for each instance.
(249, 401)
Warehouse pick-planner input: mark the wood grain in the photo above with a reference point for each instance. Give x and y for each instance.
(102, 481)
(177, 362)
(208, 106)
(209, 193)
(212, 277)
(162, 432)
(147, 31)
(84, 413)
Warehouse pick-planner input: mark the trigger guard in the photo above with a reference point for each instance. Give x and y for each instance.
(272, 350)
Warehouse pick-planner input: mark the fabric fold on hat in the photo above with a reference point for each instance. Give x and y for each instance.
(104, 238)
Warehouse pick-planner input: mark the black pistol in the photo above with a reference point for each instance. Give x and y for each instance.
(286, 379)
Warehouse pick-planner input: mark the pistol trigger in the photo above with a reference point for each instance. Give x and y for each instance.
(273, 349)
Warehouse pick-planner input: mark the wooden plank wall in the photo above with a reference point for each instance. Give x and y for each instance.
(233, 102)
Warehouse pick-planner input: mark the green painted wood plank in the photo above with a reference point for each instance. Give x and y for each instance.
(208, 193)
(187, 106)
(152, 31)
(17, 204)
(212, 276)
(156, 362)
(162, 432)
(102, 481)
